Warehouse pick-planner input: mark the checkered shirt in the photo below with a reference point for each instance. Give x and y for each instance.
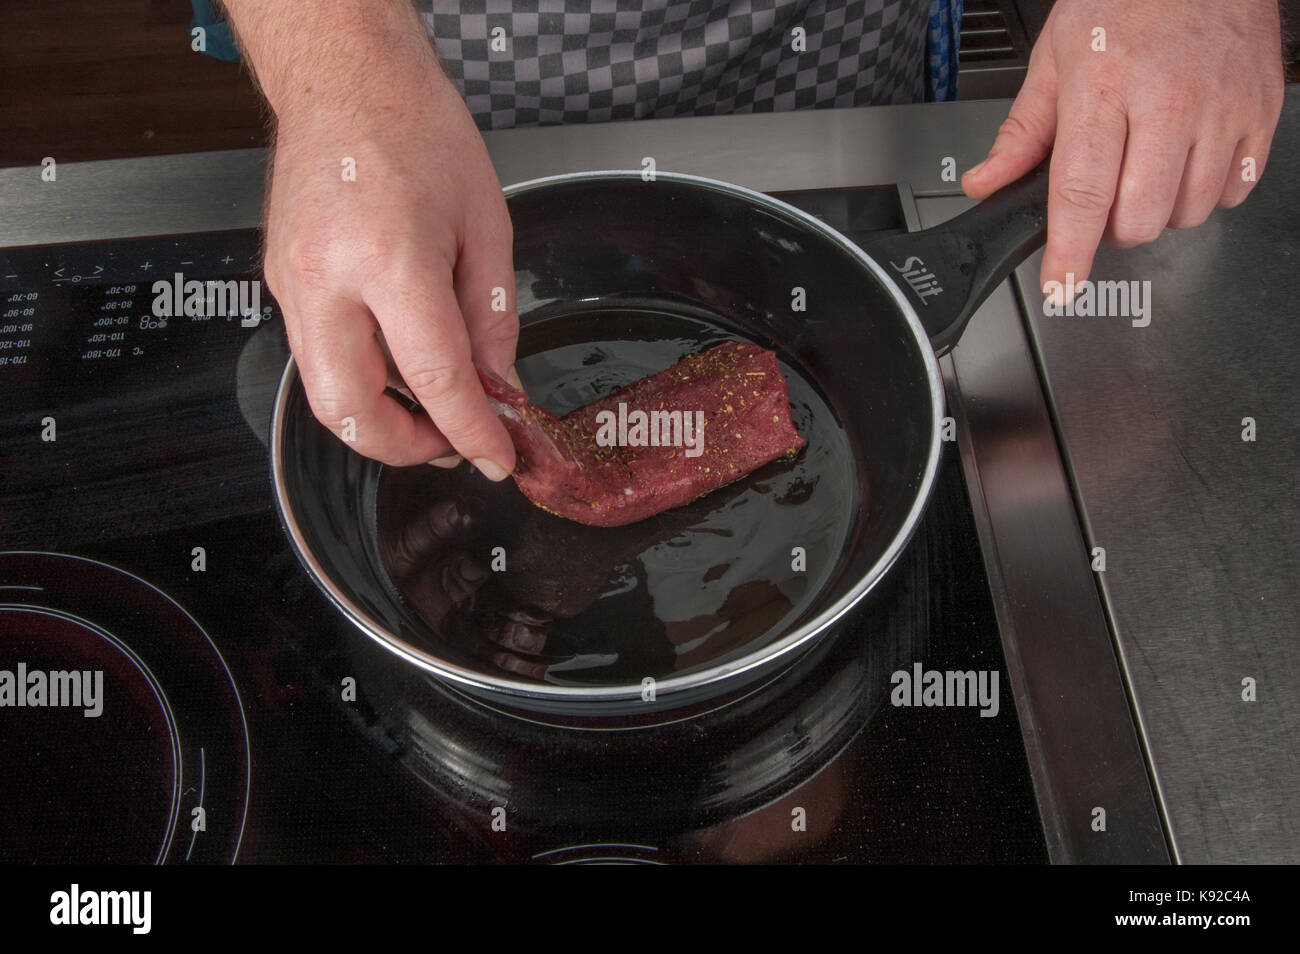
(542, 62)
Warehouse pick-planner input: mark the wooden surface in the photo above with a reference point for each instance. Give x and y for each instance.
(105, 79)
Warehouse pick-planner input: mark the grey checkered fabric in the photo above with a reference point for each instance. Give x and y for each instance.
(541, 62)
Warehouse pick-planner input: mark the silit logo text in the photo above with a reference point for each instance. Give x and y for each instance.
(919, 277)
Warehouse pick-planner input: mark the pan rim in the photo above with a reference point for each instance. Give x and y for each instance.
(722, 673)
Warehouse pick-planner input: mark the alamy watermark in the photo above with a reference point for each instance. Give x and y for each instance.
(1089, 299)
(75, 906)
(934, 687)
(639, 428)
(37, 688)
(208, 299)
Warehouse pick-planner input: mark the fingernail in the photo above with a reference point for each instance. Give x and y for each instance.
(975, 169)
(489, 469)
(513, 377)
(447, 461)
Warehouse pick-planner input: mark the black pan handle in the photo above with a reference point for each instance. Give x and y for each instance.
(946, 272)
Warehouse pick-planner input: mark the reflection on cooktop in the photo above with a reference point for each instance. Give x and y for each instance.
(134, 747)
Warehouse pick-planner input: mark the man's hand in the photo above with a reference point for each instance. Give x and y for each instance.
(1151, 111)
(385, 224)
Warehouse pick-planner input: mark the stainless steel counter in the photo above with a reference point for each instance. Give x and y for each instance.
(770, 152)
(1198, 526)
(1201, 528)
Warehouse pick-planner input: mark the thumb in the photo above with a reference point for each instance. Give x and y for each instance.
(1025, 137)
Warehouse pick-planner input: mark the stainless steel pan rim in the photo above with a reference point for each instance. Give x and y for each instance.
(768, 654)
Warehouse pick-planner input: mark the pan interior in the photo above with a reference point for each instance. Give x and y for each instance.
(617, 279)
(549, 599)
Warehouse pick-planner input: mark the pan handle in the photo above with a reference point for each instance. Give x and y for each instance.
(947, 271)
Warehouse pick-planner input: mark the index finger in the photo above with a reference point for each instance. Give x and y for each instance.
(422, 324)
(1092, 129)
(345, 376)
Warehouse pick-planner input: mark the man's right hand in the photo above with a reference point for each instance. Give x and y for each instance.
(385, 218)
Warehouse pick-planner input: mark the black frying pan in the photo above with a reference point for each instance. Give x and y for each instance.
(617, 277)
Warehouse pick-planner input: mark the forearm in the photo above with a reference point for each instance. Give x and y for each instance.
(333, 52)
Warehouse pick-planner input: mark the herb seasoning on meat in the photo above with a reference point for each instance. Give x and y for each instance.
(569, 466)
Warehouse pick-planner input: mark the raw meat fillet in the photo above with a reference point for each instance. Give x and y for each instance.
(568, 466)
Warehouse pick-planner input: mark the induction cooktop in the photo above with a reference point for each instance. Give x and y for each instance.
(202, 702)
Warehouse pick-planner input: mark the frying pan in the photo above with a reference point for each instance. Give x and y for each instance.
(873, 321)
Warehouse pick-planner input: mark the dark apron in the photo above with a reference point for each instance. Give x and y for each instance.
(532, 63)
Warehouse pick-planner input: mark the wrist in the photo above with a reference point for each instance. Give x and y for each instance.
(365, 86)
(359, 56)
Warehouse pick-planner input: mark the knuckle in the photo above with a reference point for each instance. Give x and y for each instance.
(1014, 127)
(1129, 234)
(302, 261)
(329, 410)
(1233, 198)
(1082, 196)
(499, 328)
(329, 404)
(1106, 100)
(273, 272)
(1189, 220)
(404, 259)
(434, 381)
(403, 271)
(1148, 233)
(1174, 105)
(394, 457)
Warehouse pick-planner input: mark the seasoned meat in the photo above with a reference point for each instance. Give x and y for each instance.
(656, 444)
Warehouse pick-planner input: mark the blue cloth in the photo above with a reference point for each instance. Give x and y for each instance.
(219, 39)
(942, 47)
